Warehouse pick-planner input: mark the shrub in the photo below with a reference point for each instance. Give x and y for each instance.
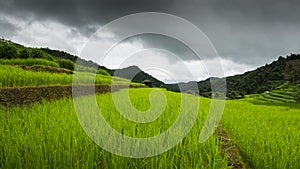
(298, 94)
(67, 64)
(35, 53)
(81, 68)
(24, 53)
(103, 72)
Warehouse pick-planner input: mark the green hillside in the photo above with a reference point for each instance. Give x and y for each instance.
(265, 78)
(285, 93)
(25, 66)
(15, 54)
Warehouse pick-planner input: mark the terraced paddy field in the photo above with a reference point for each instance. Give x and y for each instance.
(12, 76)
(49, 135)
(281, 95)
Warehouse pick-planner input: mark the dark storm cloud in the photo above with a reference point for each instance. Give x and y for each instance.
(7, 28)
(251, 32)
(82, 14)
(85, 12)
(174, 46)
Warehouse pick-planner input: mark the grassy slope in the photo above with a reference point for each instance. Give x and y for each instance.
(267, 135)
(49, 135)
(29, 62)
(11, 76)
(286, 93)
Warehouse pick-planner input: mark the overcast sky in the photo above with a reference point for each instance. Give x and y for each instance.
(246, 34)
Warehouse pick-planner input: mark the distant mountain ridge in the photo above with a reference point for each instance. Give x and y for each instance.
(135, 74)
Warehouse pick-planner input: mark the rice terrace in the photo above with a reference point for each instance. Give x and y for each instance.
(62, 110)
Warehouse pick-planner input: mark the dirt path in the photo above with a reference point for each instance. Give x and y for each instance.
(230, 150)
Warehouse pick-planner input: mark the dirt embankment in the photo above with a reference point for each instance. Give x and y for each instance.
(26, 95)
(46, 69)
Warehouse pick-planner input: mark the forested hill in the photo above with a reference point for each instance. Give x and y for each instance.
(73, 58)
(11, 50)
(263, 79)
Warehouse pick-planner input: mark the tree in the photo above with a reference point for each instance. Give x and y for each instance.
(67, 64)
(103, 72)
(24, 53)
(36, 53)
(8, 51)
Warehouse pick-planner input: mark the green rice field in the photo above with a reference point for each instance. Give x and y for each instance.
(267, 135)
(49, 135)
(29, 62)
(11, 76)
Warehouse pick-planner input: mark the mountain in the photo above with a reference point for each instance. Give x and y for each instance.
(135, 74)
(127, 73)
(262, 79)
(265, 78)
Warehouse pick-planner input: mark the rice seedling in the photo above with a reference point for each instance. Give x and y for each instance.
(49, 135)
(29, 62)
(267, 135)
(11, 76)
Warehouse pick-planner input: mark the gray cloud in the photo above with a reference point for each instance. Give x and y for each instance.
(167, 43)
(7, 28)
(82, 14)
(250, 32)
